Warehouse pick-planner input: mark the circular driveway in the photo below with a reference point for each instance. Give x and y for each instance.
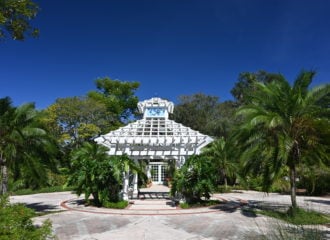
(153, 219)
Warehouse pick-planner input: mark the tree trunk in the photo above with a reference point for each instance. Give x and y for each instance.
(293, 186)
(225, 180)
(4, 177)
(96, 199)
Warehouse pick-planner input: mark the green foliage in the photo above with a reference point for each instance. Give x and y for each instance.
(73, 120)
(93, 172)
(98, 174)
(198, 105)
(203, 203)
(51, 189)
(116, 205)
(283, 127)
(194, 180)
(16, 223)
(281, 231)
(26, 149)
(223, 189)
(245, 86)
(300, 217)
(119, 99)
(184, 205)
(223, 156)
(316, 180)
(210, 116)
(15, 17)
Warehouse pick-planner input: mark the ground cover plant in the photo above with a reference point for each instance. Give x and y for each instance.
(279, 230)
(116, 205)
(202, 203)
(16, 223)
(300, 216)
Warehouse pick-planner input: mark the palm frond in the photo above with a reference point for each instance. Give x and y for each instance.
(302, 82)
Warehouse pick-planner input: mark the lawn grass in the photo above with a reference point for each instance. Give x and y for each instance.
(42, 190)
(301, 216)
(205, 203)
(116, 205)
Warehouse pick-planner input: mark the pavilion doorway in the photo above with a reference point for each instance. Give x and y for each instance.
(158, 171)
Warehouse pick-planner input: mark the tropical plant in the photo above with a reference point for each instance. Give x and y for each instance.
(98, 174)
(195, 180)
(284, 127)
(92, 171)
(25, 149)
(223, 157)
(16, 222)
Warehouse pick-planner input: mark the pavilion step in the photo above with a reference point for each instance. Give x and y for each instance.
(153, 195)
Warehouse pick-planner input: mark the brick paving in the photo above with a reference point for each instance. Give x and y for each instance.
(150, 219)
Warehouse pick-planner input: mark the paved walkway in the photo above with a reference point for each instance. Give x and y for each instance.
(157, 219)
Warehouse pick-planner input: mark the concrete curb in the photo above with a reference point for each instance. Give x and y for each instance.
(140, 212)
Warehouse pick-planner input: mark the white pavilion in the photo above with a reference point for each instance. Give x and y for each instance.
(155, 139)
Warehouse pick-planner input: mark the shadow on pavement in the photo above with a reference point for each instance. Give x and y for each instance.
(327, 202)
(269, 206)
(40, 207)
(228, 207)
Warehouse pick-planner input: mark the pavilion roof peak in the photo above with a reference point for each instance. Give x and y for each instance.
(156, 102)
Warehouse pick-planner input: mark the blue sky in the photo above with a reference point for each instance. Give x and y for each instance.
(172, 47)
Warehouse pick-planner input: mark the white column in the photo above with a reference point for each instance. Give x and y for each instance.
(149, 170)
(125, 185)
(135, 186)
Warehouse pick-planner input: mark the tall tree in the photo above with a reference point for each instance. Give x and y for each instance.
(74, 120)
(119, 98)
(244, 87)
(200, 106)
(15, 18)
(206, 114)
(24, 147)
(281, 128)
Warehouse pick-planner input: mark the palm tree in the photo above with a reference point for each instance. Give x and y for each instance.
(23, 145)
(195, 180)
(222, 154)
(98, 174)
(282, 128)
(88, 163)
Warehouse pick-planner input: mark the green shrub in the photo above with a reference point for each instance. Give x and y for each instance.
(195, 180)
(58, 179)
(116, 205)
(43, 190)
(184, 205)
(316, 184)
(202, 203)
(16, 223)
(224, 189)
(299, 217)
(282, 231)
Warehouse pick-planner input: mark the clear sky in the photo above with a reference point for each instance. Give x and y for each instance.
(172, 47)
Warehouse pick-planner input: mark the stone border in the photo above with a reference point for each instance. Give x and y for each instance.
(141, 212)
